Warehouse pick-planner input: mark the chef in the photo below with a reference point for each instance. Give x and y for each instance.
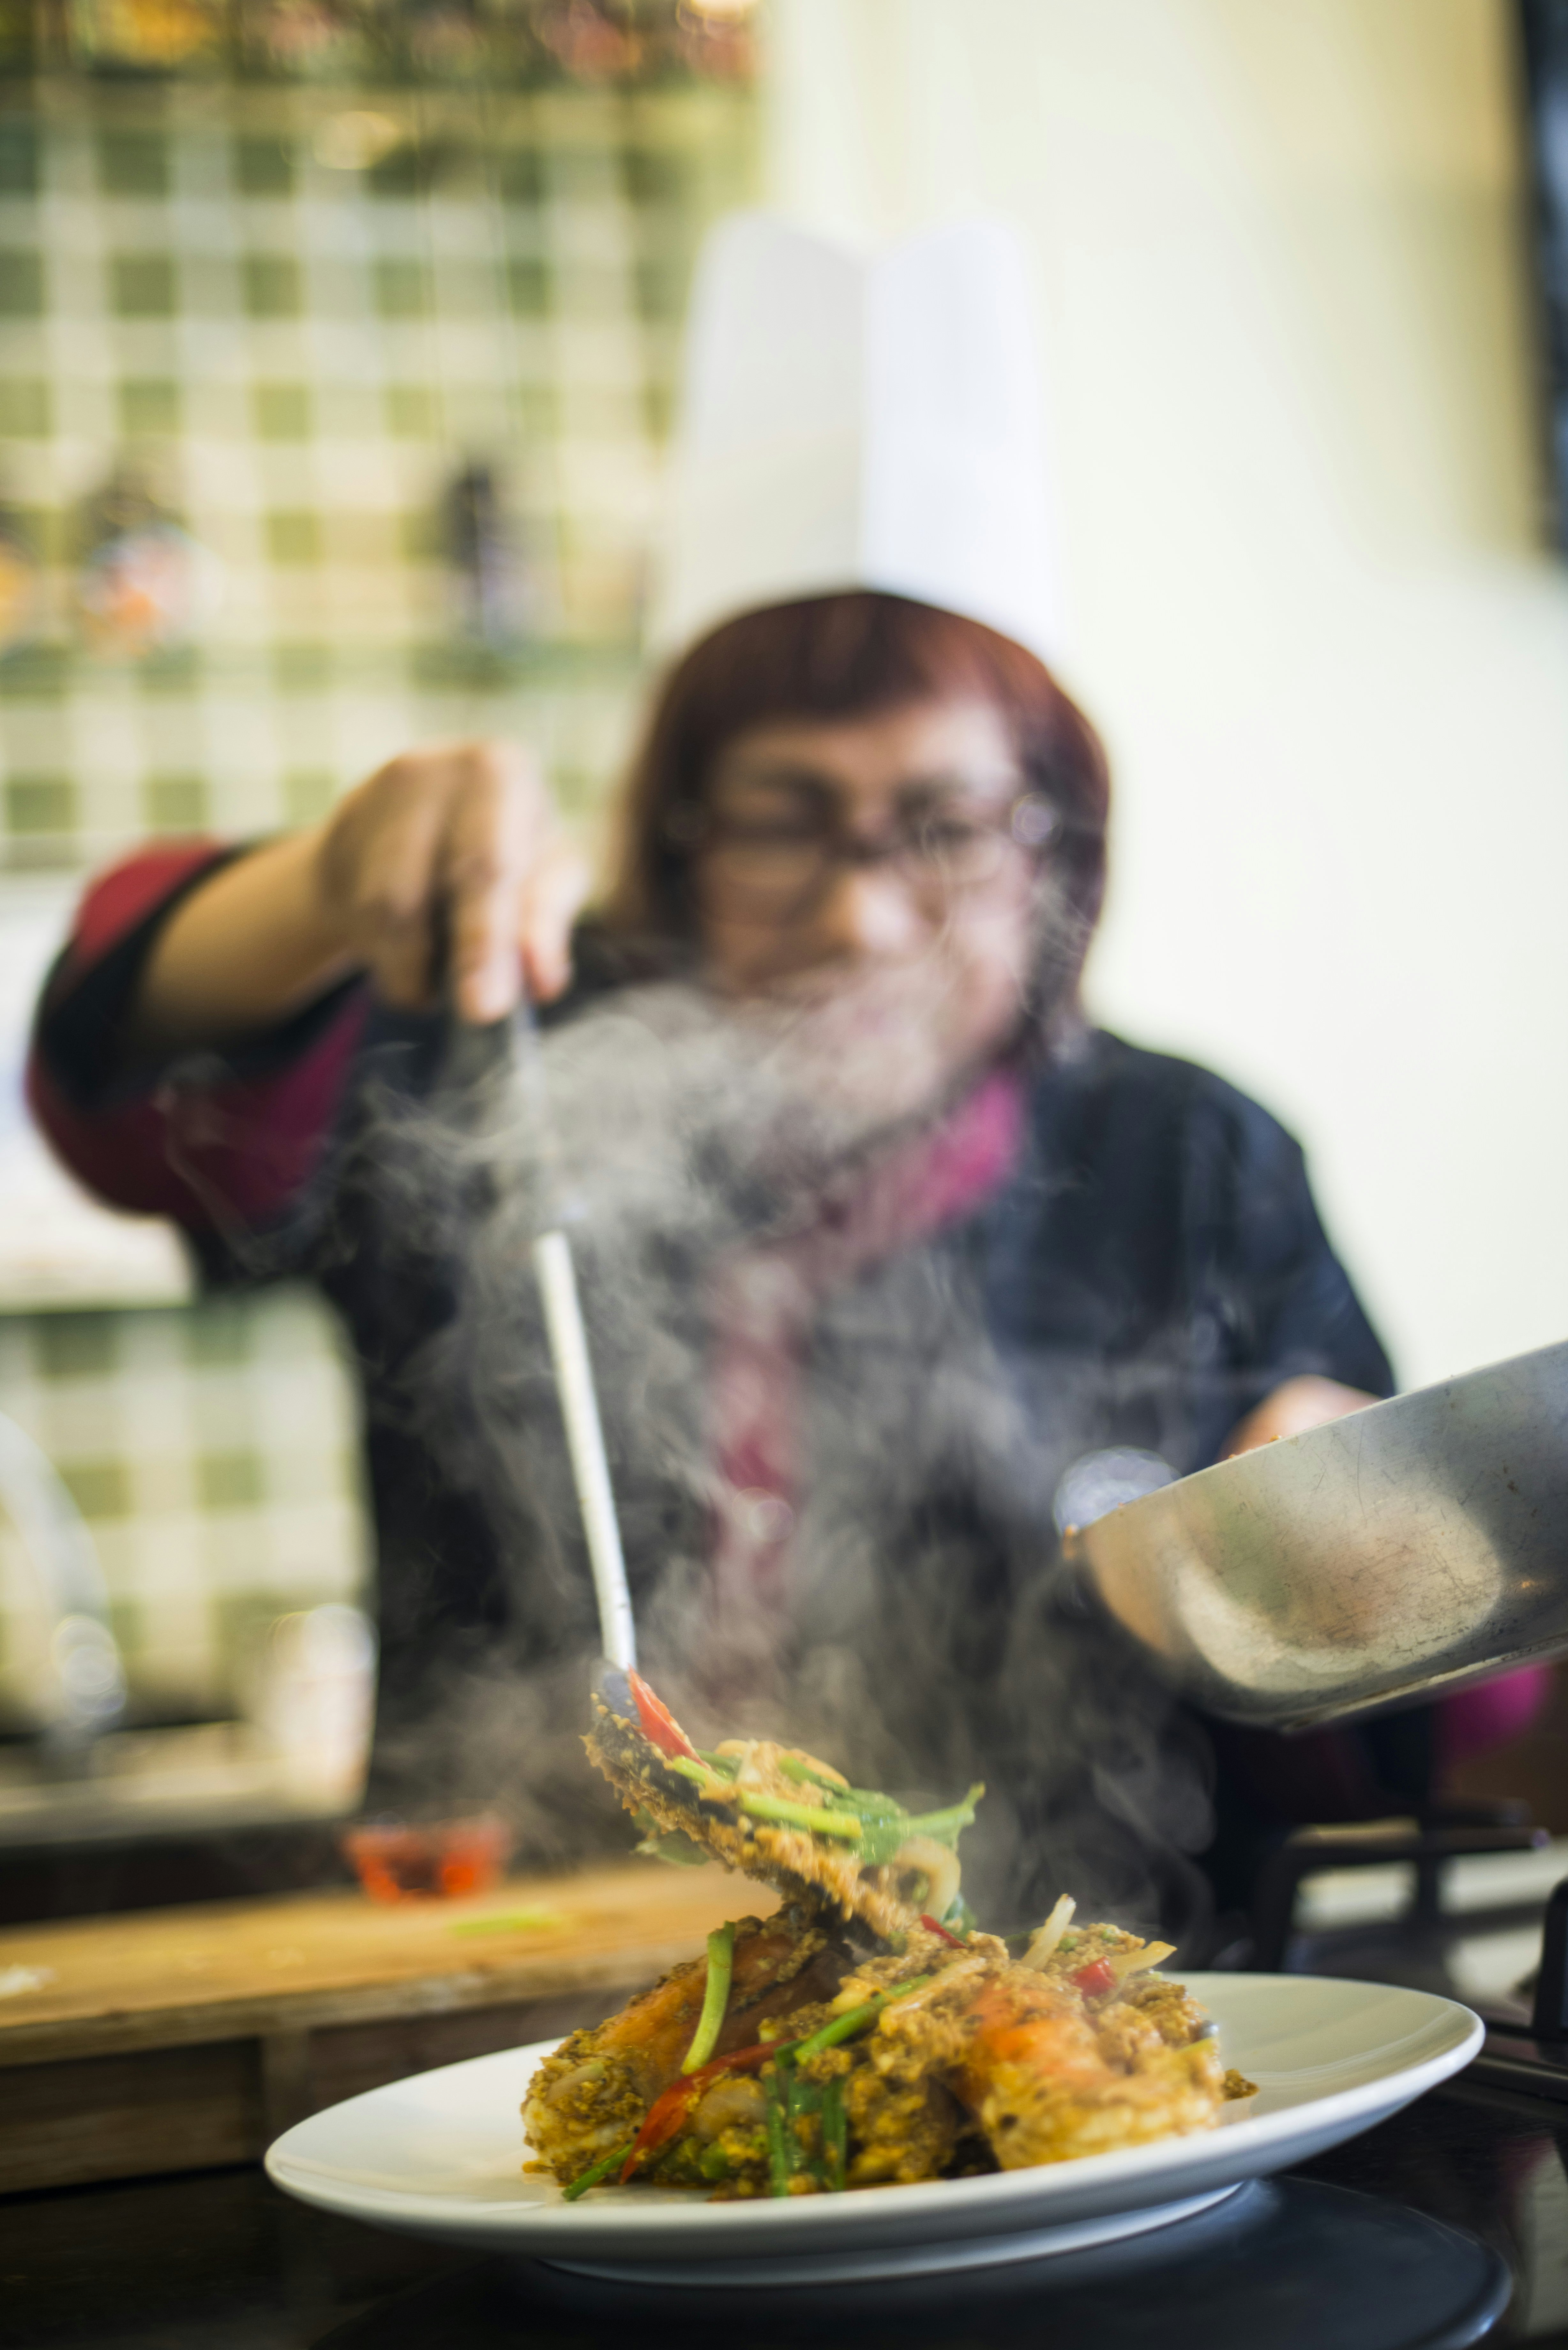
(931, 1257)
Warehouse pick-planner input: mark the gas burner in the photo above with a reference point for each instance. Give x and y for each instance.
(1526, 2047)
(1415, 1947)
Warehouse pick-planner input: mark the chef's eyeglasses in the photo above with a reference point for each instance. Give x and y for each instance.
(780, 867)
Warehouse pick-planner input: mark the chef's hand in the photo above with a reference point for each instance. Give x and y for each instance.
(447, 868)
(1291, 1410)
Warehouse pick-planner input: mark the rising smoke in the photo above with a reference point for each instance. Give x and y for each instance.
(924, 1633)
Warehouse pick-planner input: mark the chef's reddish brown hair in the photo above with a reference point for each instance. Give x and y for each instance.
(848, 656)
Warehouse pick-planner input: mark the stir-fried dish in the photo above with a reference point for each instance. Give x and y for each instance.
(867, 2033)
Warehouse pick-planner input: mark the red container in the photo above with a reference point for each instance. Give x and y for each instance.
(432, 1862)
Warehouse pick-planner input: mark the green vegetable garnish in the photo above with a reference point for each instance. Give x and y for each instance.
(512, 1921)
(794, 1769)
(715, 1998)
(781, 2154)
(818, 1821)
(835, 2136)
(793, 2106)
(595, 2171)
(853, 2020)
(866, 1803)
(880, 1840)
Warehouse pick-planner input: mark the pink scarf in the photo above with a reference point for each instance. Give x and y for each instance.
(765, 1305)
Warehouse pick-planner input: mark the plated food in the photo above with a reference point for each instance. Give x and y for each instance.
(867, 2033)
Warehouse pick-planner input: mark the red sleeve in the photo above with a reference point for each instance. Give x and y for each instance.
(215, 1141)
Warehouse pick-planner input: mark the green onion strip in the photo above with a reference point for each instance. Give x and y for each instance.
(818, 1818)
(596, 2171)
(853, 2020)
(715, 1998)
(835, 2138)
(780, 2143)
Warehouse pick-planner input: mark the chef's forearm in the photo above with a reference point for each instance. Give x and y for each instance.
(245, 950)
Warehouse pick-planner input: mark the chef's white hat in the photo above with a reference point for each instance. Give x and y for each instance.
(853, 421)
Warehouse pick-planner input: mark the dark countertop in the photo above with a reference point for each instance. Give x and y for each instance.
(1343, 2253)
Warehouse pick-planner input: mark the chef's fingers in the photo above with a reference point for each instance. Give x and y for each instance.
(494, 827)
(389, 883)
(1292, 1409)
(551, 900)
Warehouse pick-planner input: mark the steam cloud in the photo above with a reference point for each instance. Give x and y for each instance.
(927, 1634)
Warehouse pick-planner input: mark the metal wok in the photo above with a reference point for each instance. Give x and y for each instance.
(1407, 1549)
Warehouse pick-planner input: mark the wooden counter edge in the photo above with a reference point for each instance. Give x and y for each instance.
(537, 1976)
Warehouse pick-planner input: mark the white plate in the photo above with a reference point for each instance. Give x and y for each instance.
(441, 2156)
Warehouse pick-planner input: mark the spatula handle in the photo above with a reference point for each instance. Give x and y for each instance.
(557, 1279)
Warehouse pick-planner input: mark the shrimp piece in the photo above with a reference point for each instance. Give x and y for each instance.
(596, 2089)
(1039, 2076)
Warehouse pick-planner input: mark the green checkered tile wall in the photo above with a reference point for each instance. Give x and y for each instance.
(211, 1453)
(300, 356)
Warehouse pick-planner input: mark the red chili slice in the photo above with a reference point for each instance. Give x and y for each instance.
(664, 2117)
(660, 1726)
(669, 2109)
(931, 1927)
(1097, 1977)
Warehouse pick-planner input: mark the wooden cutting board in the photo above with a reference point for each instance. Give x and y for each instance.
(184, 2038)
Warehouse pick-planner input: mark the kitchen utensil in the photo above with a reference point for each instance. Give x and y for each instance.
(573, 1366)
(570, 1362)
(441, 2156)
(1410, 1547)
